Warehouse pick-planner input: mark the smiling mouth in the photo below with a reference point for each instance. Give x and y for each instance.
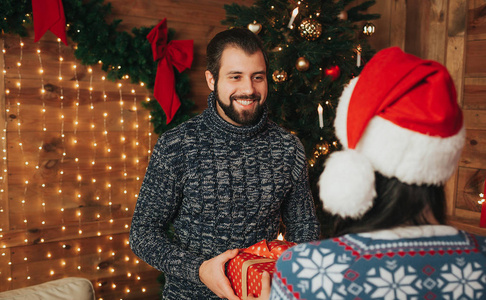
(245, 102)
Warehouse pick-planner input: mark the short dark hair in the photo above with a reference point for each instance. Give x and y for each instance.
(238, 37)
(397, 204)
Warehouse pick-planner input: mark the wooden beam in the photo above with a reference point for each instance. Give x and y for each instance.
(398, 23)
(455, 63)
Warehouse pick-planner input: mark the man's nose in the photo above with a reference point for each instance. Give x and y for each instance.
(248, 87)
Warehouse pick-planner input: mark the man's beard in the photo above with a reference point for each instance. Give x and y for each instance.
(243, 118)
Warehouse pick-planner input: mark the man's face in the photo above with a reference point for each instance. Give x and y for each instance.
(241, 88)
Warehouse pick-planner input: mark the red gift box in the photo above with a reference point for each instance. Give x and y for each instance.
(245, 269)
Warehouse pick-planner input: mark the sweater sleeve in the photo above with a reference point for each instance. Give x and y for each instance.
(299, 213)
(158, 203)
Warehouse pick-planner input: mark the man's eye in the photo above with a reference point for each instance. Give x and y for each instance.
(235, 77)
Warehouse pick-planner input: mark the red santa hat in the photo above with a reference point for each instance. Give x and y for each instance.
(400, 117)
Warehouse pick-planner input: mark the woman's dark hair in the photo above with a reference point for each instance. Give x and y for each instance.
(397, 204)
(238, 37)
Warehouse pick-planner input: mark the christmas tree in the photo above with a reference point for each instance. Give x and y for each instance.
(315, 47)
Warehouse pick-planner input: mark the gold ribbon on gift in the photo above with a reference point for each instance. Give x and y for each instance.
(244, 275)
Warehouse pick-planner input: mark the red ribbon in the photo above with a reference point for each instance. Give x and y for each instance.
(49, 15)
(269, 250)
(176, 54)
(482, 220)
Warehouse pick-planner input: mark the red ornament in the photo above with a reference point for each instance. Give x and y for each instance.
(333, 71)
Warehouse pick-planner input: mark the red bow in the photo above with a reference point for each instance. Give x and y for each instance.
(271, 249)
(49, 15)
(176, 54)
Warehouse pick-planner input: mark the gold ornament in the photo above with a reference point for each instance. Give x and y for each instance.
(302, 64)
(255, 27)
(322, 148)
(279, 76)
(369, 28)
(272, 21)
(343, 15)
(311, 162)
(310, 29)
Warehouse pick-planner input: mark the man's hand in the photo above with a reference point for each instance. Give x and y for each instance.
(211, 273)
(265, 294)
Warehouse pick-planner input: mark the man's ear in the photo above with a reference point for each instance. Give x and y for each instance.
(209, 80)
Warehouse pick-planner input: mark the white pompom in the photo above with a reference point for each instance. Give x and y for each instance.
(347, 185)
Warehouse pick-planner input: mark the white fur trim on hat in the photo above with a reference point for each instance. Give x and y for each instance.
(342, 112)
(347, 185)
(412, 157)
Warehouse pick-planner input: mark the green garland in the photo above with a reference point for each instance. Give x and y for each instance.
(120, 52)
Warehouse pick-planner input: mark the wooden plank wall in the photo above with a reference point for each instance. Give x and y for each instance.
(472, 169)
(74, 152)
(390, 27)
(74, 160)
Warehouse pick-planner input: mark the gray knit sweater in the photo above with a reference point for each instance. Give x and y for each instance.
(222, 187)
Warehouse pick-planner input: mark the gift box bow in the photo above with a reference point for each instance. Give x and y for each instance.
(271, 250)
(267, 252)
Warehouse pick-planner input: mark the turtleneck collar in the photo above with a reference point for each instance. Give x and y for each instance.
(218, 124)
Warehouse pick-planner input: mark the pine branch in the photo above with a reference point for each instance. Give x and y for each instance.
(355, 15)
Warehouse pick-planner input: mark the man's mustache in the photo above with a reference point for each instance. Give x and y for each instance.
(252, 97)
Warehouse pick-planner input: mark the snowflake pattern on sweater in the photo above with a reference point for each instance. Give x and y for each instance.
(421, 262)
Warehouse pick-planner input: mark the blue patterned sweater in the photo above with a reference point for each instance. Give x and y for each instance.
(222, 187)
(409, 263)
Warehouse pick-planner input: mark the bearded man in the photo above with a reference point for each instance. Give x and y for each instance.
(224, 179)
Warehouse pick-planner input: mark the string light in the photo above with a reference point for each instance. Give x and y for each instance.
(106, 135)
(65, 119)
(481, 201)
(75, 131)
(123, 140)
